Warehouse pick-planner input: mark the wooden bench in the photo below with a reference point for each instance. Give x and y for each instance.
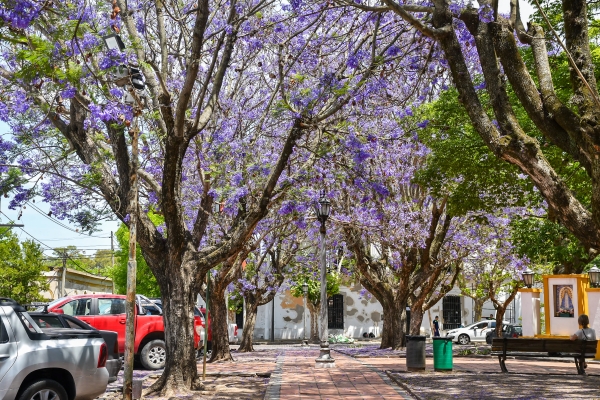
(522, 347)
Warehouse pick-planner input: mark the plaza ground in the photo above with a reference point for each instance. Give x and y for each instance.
(287, 372)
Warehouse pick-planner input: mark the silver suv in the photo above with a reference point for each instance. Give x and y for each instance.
(54, 364)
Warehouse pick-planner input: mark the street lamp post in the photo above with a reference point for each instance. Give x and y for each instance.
(594, 275)
(305, 291)
(528, 278)
(322, 208)
(128, 76)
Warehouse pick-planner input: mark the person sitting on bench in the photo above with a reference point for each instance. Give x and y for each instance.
(585, 333)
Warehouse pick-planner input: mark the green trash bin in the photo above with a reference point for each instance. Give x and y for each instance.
(442, 353)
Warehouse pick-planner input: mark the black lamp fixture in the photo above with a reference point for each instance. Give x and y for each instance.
(124, 74)
(323, 208)
(114, 42)
(528, 278)
(594, 275)
(305, 288)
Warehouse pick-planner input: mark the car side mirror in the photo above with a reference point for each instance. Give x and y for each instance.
(59, 311)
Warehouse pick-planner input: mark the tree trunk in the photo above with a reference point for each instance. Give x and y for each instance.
(478, 311)
(386, 339)
(416, 319)
(220, 331)
(179, 297)
(249, 323)
(394, 325)
(314, 321)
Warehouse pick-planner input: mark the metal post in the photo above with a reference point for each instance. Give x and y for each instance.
(112, 258)
(325, 360)
(304, 341)
(206, 326)
(131, 270)
(63, 278)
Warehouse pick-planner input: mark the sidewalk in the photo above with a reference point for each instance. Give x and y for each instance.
(295, 377)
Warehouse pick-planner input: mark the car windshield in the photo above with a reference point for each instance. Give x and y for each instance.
(42, 308)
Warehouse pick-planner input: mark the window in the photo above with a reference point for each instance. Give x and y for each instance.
(111, 306)
(3, 333)
(48, 321)
(150, 309)
(239, 319)
(482, 325)
(451, 312)
(75, 324)
(335, 311)
(78, 307)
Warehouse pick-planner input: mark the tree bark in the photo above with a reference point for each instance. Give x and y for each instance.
(249, 324)
(220, 330)
(416, 319)
(314, 321)
(478, 308)
(180, 372)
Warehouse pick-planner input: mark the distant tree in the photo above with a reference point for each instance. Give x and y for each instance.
(145, 281)
(310, 276)
(21, 269)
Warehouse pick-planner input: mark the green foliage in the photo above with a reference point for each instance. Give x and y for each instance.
(235, 301)
(547, 242)
(146, 283)
(461, 165)
(314, 286)
(11, 179)
(21, 269)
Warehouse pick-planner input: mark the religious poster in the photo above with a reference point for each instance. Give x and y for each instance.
(563, 301)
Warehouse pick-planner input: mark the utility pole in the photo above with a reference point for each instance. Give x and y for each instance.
(63, 278)
(206, 325)
(112, 258)
(131, 267)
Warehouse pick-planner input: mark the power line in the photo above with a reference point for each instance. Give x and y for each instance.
(44, 244)
(37, 209)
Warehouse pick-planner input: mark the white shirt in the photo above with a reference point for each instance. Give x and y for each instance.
(586, 334)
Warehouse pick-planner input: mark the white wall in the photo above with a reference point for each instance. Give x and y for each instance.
(361, 314)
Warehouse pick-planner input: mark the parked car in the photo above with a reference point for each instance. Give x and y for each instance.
(47, 320)
(56, 364)
(199, 317)
(508, 331)
(107, 312)
(472, 333)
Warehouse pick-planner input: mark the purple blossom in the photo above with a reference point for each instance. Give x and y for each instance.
(69, 92)
(486, 13)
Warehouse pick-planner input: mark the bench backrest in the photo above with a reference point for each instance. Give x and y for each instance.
(544, 345)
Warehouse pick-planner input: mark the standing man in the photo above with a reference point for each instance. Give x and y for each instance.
(436, 326)
(491, 317)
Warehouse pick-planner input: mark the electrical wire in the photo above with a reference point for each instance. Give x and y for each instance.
(37, 209)
(44, 244)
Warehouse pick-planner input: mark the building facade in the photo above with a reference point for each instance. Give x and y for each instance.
(353, 314)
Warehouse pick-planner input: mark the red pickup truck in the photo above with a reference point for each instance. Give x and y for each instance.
(107, 312)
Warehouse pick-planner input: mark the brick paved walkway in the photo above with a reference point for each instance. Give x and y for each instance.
(297, 378)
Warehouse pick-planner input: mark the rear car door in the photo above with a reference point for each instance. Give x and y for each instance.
(80, 308)
(8, 348)
(479, 331)
(111, 317)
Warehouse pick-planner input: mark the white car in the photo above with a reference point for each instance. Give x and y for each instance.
(472, 333)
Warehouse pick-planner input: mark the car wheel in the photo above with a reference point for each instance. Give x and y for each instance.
(154, 355)
(464, 339)
(488, 339)
(45, 389)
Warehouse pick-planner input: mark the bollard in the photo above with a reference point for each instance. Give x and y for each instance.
(137, 389)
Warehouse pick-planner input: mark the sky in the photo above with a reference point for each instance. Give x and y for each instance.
(52, 233)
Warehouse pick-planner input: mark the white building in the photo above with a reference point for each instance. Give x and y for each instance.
(352, 315)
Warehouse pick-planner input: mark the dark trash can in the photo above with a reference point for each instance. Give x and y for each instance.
(415, 353)
(442, 353)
